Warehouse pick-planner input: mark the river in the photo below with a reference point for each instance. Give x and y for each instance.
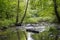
(37, 27)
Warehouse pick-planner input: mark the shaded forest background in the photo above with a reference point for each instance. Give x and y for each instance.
(38, 10)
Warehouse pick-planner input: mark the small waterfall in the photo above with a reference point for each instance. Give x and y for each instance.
(29, 36)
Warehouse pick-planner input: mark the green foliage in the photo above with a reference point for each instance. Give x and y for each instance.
(7, 12)
(38, 10)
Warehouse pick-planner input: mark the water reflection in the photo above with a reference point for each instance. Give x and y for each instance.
(29, 36)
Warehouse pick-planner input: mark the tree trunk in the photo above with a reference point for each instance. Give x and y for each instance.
(56, 12)
(18, 35)
(57, 15)
(17, 13)
(24, 13)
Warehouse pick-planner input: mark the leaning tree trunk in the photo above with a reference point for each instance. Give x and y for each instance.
(57, 15)
(24, 13)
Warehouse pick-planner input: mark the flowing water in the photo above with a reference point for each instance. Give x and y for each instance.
(38, 27)
(29, 36)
